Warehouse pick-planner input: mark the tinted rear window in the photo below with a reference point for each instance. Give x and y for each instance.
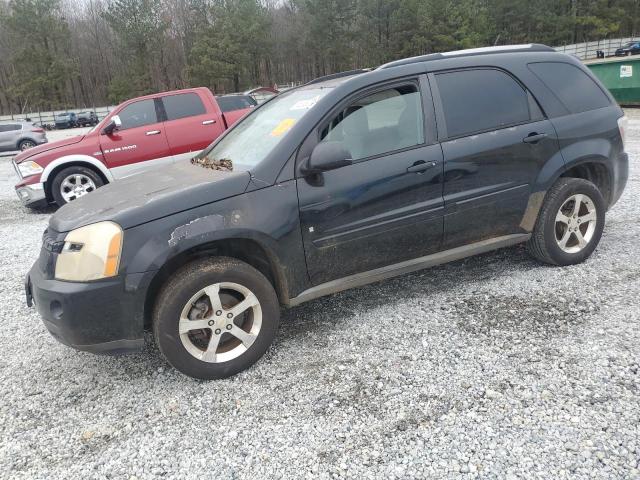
(235, 102)
(574, 88)
(481, 100)
(183, 105)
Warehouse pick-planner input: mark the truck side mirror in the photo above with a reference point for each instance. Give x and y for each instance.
(114, 124)
(328, 156)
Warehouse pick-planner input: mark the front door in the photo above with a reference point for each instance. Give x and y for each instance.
(140, 142)
(496, 142)
(387, 206)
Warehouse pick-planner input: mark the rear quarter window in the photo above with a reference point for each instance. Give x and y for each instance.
(573, 87)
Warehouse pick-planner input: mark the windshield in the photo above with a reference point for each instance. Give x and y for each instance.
(62, 116)
(251, 140)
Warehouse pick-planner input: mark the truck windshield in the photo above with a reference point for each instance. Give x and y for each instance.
(253, 138)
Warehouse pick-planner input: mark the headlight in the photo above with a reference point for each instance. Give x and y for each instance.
(29, 168)
(90, 253)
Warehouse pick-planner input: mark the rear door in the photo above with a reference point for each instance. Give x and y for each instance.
(9, 136)
(189, 127)
(387, 206)
(495, 142)
(140, 142)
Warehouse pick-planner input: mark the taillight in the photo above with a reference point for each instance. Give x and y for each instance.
(37, 130)
(622, 126)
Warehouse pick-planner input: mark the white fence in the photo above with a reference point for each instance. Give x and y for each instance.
(48, 117)
(589, 49)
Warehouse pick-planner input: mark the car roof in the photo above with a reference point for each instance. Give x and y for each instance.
(338, 78)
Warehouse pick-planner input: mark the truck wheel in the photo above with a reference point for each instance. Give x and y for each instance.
(570, 223)
(215, 318)
(74, 182)
(26, 144)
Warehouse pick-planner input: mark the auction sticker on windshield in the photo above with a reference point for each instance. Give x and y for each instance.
(305, 104)
(283, 127)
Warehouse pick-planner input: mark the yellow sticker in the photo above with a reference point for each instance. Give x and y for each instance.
(283, 127)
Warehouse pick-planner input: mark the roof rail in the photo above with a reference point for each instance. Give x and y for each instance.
(338, 75)
(530, 47)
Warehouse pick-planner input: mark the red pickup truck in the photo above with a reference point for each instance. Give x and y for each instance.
(140, 133)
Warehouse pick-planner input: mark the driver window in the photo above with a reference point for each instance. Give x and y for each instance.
(382, 122)
(138, 114)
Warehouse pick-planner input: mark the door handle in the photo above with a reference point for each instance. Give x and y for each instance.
(208, 122)
(420, 166)
(534, 137)
(153, 132)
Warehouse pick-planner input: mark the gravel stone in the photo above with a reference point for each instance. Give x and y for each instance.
(492, 367)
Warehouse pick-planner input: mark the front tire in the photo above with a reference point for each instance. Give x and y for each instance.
(570, 223)
(215, 318)
(74, 182)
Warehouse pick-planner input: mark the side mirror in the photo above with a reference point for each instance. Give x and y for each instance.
(114, 124)
(328, 156)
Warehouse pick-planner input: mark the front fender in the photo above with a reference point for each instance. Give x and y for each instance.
(76, 159)
(268, 217)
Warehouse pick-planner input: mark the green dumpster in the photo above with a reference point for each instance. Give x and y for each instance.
(621, 75)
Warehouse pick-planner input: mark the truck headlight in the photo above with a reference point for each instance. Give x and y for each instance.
(90, 253)
(29, 168)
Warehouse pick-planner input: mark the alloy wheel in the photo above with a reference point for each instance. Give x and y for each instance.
(220, 322)
(575, 223)
(75, 186)
(26, 145)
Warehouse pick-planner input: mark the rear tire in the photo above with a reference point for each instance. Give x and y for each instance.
(73, 182)
(215, 318)
(26, 144)
(570, 223)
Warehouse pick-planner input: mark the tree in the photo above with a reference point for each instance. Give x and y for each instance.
(41, 67)
(140, 29)
(232, 48)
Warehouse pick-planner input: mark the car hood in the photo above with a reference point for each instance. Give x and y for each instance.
(22, 156)
(150, 195)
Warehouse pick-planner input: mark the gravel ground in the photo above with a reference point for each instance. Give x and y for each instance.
(492, 367)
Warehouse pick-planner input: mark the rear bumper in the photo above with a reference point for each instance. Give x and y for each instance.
(620, 178)
(100, 317)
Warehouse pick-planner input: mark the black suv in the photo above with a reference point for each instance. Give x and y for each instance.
(86, 119)
(348, 180)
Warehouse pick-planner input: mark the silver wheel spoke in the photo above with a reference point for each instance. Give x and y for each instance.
(565, 238)
(247, 339)
(249, 301)
(562, 218)
(209, 355)
(577, 204)
(581, 241)
(187, 325)
(589, 217)
(213, 292)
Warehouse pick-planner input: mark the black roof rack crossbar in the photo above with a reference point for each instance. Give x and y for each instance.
(337, 75)
(531, 47)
